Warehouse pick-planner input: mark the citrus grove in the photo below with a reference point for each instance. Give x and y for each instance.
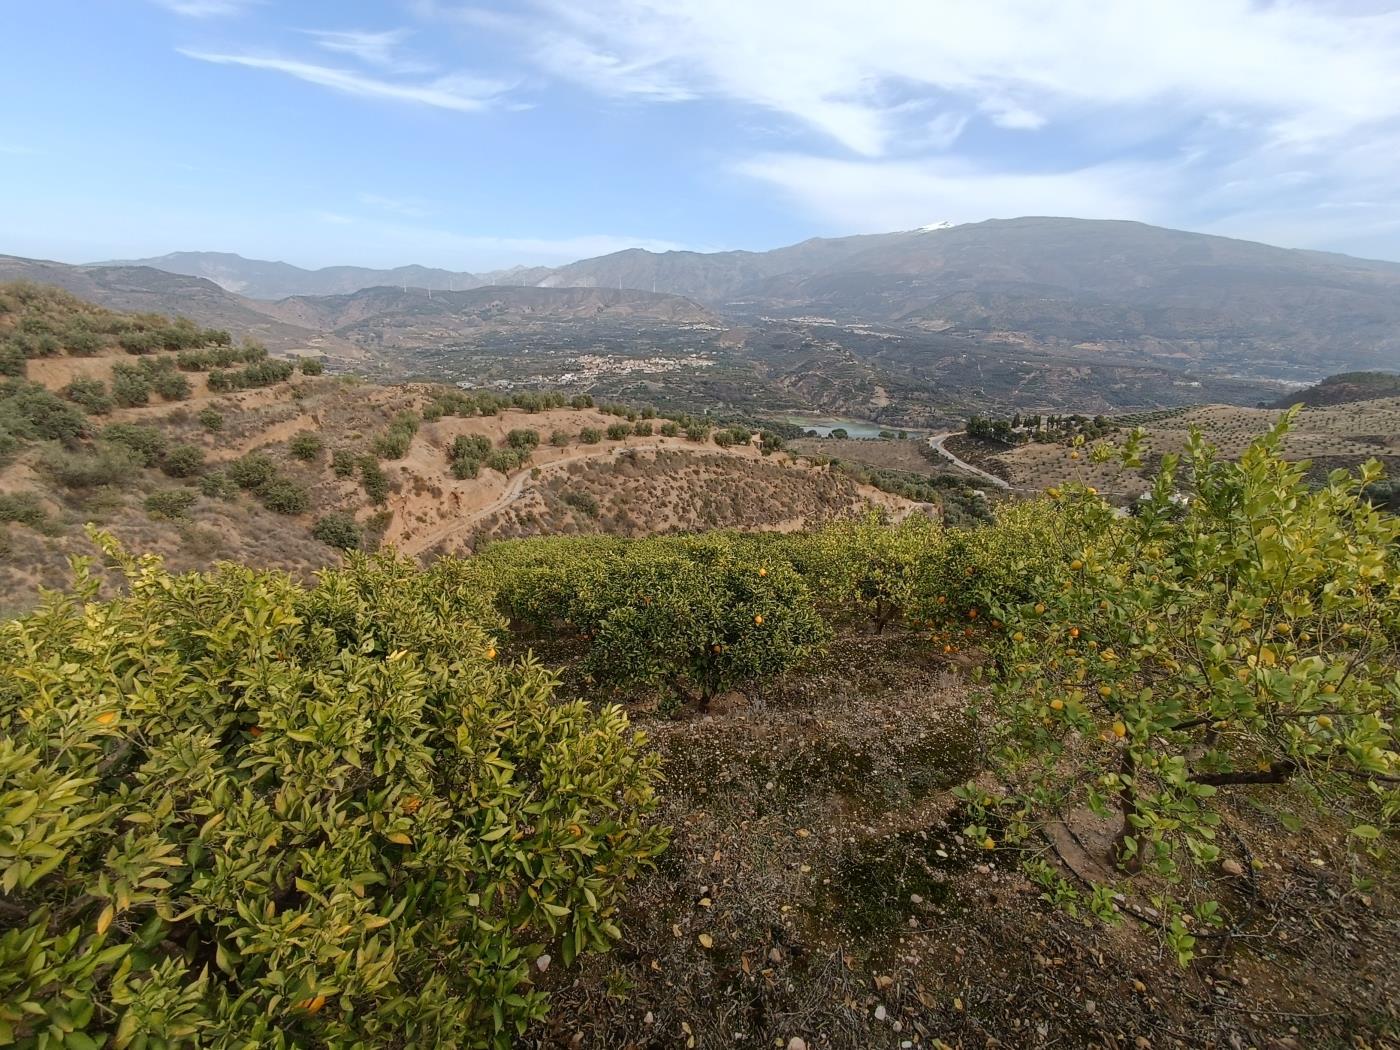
(238, 811)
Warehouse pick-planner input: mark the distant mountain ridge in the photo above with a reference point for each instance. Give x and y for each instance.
(1072, 287)
(264, 279)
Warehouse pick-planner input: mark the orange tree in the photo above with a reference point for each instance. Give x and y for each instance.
(868, 566)
(696, 616)
(1240, 629)
(973, 572)
(238, 812)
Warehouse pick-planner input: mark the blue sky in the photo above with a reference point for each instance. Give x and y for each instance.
(481, 135)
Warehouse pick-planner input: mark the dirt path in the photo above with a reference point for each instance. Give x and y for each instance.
(936, 443)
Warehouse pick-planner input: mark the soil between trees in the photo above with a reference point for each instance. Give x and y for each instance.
(818, 887)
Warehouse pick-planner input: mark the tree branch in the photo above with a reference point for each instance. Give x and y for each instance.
(1277, 773)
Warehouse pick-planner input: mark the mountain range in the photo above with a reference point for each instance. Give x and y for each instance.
(1019, 298)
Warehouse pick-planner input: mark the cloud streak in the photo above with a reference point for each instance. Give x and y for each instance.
(460, 92)
(207, 8)
(1308, 71)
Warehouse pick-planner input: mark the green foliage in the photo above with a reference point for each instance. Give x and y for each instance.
(251, 471)
(374, 480)
(170, 385)
(338, 530)
(261, 373)
(311, 366)
(1241, 631)
(147, 442)
(23, 508)
(90, 394)
(306, 446)
(131, 387)
(698, 615)
(343, 463)
(28, 412)
(670, 428)
(183, 461)
(13, 361)
(217, 485)
(107, 464)
(559, 439)
(619, 431)
(869, 567)
(523, 439)
(170, 503)
(590, 436)
(642, 428)
(244, 813)
(211, 419)
(506, 459)
(283, 496)
(394, 443)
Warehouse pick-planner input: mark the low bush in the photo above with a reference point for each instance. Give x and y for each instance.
(374, 481)
(590, 436)
(170, 503)
(183, 461)
(107, 464)
(283, 496)
(28, 412)
(251, 471)
(559, 439)
(23, 508)
(211, 419)
(343, 463)
(523, 439)
(306, 446)
(338, 530)
(147, 442)
(311, 366)
(619, 431)
(251, 814)
(90, 395)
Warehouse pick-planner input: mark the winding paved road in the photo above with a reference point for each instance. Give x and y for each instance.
(936, 443)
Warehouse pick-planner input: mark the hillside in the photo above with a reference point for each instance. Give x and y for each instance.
(391, 318)
(264, 279)
(197, 445)
(144, 289)
(1345, 388)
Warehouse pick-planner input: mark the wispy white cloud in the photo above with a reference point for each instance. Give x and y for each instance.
(207, 8)
(13, 149)
(457, 91)
(381, 48)
(1309, 71)
(332, 217)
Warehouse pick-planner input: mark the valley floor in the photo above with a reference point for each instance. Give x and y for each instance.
(818, 888)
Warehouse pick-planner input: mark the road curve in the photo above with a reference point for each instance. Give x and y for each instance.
(936, 443)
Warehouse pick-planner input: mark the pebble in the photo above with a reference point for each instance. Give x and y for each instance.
(880, 1012)
(797, 1043)
(1230, 866)
(542, 963)
(650, 1018)
(775, 955)
(914, 898)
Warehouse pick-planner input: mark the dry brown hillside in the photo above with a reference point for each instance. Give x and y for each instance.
(184, 443)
